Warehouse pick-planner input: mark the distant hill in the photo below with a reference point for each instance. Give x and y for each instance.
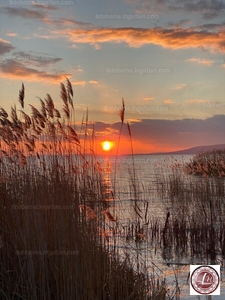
(195, 150)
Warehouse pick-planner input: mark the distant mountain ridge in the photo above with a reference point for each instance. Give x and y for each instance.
(193, 150)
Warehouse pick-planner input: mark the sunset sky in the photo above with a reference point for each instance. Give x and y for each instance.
(165, 58)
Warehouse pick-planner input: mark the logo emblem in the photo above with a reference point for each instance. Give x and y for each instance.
(205, 280)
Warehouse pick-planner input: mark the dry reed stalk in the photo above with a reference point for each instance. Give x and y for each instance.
(73, 135)
(108, 216)
(90, 214)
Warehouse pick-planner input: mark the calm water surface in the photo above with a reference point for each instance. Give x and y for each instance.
(147, 172)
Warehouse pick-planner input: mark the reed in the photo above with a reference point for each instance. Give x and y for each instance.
(196, 225)
(209, 163)
(54, 222)
(121, 115)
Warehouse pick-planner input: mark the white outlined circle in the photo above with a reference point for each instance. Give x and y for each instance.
(205, 280)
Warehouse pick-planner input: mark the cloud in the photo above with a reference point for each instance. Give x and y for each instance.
(181, 23)
(42, 6)
(83, 83)
(42, 16)
(148, 98)
(24, 13)
(103, 130)
(35, 58)
(67, 22)
(206, 61)
(10, 33)
(168, 101)
(211, 26)
(198, 101)
(93, 82)
(137, 37)
(133, 121)
(72, 22)
(179, 86)
(79, 82)
(11, 69)
(209, 9)
(5, 46)
(165, 135)
(41, 36)
(74, 46)
(79, 69)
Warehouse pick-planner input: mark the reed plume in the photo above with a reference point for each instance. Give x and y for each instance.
(21, 96)
(121, 115)
(122, 111)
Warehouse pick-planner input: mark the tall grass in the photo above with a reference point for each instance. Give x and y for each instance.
(54, 217)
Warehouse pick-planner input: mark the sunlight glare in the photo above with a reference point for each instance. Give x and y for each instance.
(106, 145)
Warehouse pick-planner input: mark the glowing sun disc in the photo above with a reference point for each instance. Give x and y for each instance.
(106, 145)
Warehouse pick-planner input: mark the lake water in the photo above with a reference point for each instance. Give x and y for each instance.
(130, 181)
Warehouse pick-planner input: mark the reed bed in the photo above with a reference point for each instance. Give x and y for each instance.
(55, 221)
(192, 228)
(208, 163)
(60, 234)
(196, 205)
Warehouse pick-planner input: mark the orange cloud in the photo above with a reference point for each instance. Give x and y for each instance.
(148, 98)
(168, 101)
(133, 121)
(80, 82)
(106, 133)
(197, 101)
(137, 37)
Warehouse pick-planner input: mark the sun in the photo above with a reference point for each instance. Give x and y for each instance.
(106, 145)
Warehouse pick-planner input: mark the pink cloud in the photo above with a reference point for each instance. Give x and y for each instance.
(5, 46)
(10, 33)
(11, 69)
